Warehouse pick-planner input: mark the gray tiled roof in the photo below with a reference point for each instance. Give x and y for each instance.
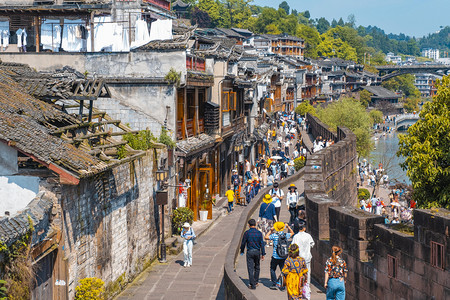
(380, 92)
(194, 144)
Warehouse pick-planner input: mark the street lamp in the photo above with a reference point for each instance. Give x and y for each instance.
(162, 199)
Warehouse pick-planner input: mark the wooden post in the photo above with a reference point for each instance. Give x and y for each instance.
(81, 110)
(92, 32)
(36, 30)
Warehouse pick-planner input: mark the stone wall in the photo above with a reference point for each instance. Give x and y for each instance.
(110, 222)
(369, 245)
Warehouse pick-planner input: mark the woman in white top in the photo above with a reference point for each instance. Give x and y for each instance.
(291, 202)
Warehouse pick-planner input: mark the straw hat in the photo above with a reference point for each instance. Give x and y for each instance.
(186, 225)
(267, 199)
(249, 181)
(278, 226)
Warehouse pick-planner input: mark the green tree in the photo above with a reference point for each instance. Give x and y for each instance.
(304, 108)
(350, 113)
(365, 97)
(285, 6)
(404, 83)
(322, 25)
(350, 36)
(238, 10)
(311, 37)
(340, 22)
(411, 104)
(306, 14)
(334, 23)
(376, 116)
(426, 149)
(331, 47)
(272, 29)
(211, 8)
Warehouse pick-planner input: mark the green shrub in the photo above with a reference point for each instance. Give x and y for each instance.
(90, 288)
(363, 194)
(143, 140)
(165, 139)
(299, 163)
(180, 216)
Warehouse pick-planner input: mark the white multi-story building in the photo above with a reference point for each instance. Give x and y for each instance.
(390, 57)
(425, 83)
(431, 53)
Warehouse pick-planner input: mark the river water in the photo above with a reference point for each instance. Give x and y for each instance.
(385, 152)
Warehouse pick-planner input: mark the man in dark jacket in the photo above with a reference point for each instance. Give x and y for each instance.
(253, 240)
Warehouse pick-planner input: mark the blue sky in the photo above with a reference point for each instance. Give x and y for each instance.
(412, 17)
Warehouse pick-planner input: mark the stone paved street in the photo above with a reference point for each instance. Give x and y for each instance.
(201, 281)
(263, 291)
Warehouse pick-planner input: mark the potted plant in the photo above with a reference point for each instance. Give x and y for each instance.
(205, 206)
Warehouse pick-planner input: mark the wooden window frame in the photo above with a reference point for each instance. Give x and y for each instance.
(392, 266)
(435, 247)
(225, 100)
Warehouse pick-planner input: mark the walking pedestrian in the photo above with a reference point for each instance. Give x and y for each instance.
(279, 240)
(235, 180)
(249, 192)
(188, 235)
(277, 196)
(295, 271)
(264, 174)
(253, 240)
(291, 202)
(267, 214)
(335, 275)
(230, 195)
(305, 242)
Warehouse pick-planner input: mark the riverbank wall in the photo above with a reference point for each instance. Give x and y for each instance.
(384, 262)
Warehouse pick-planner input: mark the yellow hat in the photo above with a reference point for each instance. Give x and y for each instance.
(249, 181)
(267, 198)
(279, 226)
(292, 186)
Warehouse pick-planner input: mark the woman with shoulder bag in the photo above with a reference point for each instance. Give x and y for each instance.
(291, 201)
(188, 235)
(296, 273)
(335, 275)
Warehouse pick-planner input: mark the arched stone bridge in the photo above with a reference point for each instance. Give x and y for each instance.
(390, 71)
(406, 120)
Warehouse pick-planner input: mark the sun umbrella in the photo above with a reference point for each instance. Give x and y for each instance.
(395, 204)
(276, 157)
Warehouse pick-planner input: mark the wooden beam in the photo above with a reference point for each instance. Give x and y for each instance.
(108, 133)
(110, 145)
(82, 125)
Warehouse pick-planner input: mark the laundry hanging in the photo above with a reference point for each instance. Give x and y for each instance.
(142, 36)
(161, 30)
(51, 35)
(4, 34)
(72, 35)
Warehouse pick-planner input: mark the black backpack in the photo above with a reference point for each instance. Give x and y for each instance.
(282, 245)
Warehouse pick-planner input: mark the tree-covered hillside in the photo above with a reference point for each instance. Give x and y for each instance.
(324, 38)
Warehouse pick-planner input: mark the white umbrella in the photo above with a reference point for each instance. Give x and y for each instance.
(276, 157)
(395, 204)
(292, 130)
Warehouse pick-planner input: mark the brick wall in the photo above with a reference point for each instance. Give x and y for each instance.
(111, 222)
(371, 248)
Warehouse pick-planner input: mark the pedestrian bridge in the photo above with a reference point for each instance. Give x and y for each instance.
(402, 122)
(390, 71)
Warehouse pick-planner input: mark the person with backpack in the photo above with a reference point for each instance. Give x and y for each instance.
(294, 270)
(280, 249)
(249, 191)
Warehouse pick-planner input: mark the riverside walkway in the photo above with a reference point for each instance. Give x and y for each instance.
(263, 291)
